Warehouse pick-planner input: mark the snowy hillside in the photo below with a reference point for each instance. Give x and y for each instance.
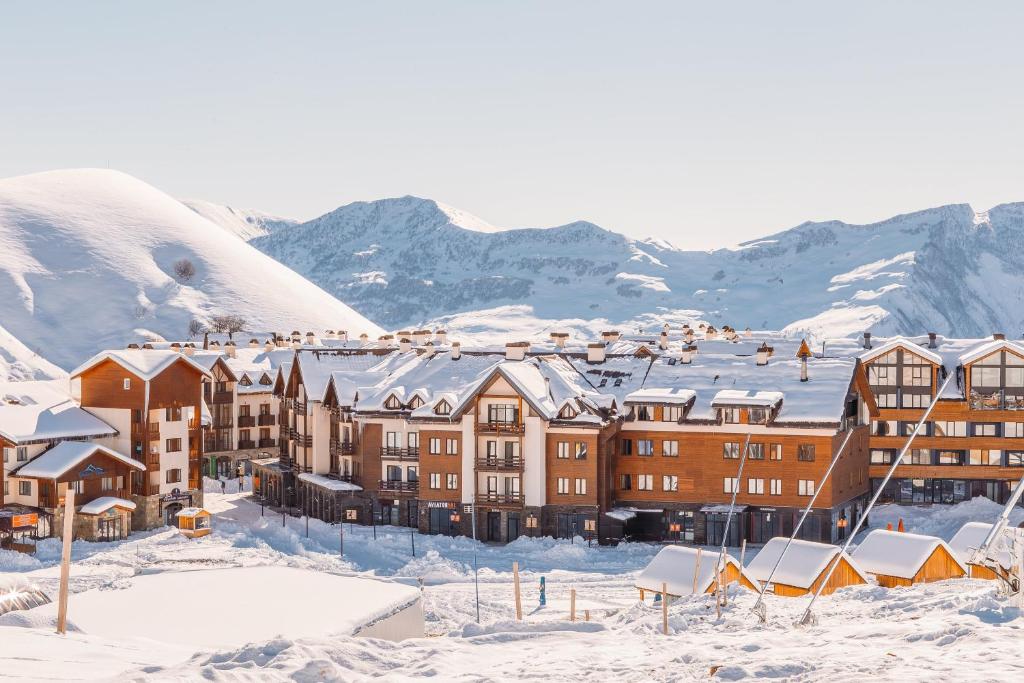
(412, 260)
(245, 223)
(87, 260)
(18, 362)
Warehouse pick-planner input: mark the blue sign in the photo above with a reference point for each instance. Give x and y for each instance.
(91, 470)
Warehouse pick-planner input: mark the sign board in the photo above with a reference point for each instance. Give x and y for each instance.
(674, 528)
(25, 520)
(467, 508)
(589, 525)
(351, 514)
(91, 471)
(440, 504)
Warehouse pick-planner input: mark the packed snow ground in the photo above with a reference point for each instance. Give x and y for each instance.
(932, 632)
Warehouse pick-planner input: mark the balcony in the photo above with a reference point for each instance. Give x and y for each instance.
(152, 434)
(499, 428)
(507, 463)
(267, 443)
(500, 499)
(299, 407)
(246, 445)
(995, 399)
(399, 487)
(246, 420)
(222, 423)
(222, 397)
(342, 447)
(397, 453)
(267, 420)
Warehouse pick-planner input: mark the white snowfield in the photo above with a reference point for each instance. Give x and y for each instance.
(82, 246)
(895, 553)
(803, 562)
(947, 630)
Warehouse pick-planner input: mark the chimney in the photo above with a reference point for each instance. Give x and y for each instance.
(310, 338)
(686, 357)
(867, 340)
(440, 337)
(404, 334)
(215, 345)
(341, 335)
(456, 350)
(253, 343)
(998, 336)
(547, 386)
(268, 346)
(931, 341)
(610, 336)
(560, 338)
(190, 349)
(428, 349)
(421, 337)
(296, 342)
(763, 353)
(404, 345)
(663, 341)
(175, 346)
(364, 338)
(516, 350)
(803, 368)
(665, 328)
(329, 334)
(747, 332)
(280, 341)
(689, 335)
(230, 349)
(206, 340)
(595, 352)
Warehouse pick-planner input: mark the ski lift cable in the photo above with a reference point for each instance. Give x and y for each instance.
(807, 617)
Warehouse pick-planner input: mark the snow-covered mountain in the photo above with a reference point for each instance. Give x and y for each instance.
(411, 260)
(245, 223)
(87, 261)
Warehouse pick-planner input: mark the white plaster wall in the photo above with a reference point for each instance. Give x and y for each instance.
(320, 423)
(177, 429)
(468, 456)
(535, 467)
(121, 420)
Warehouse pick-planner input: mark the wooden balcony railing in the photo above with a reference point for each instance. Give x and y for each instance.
(244, 445)
(342, 447)
(500, 463)
(267, 443)
(267, 420)
(246, 420)
(500, 428)
(513, 499)
(223, 397)
(399, 487)
(397, 453)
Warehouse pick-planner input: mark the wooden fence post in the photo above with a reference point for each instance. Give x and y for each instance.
(519, 603)
(65, 559)
(696, 570)
(664, 608)
(572, 604)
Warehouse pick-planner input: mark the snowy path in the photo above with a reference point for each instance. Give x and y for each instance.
(933, 632)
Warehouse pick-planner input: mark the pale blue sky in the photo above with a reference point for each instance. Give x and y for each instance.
(705, 124)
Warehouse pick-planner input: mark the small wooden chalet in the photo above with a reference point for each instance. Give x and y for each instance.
(676, 566)
(803, 567)
(901, 559)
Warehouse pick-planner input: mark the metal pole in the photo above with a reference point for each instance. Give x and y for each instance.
(719, 566)
(476, 569)
(412, 538)
(758, 607)
(808, 617)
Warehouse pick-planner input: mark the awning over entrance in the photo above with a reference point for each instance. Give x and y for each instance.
(101, 505)
(722, 508)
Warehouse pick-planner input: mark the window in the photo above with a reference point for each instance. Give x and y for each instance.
(492, 486)
(173, 445)
(413, 439)
(644, 447)
(434, 445)
(625, 482)
(920, 456)
(264, 409)
(776, 451)
(670, 482)
(985, 377)
(451, 446)
(511, 450)
(412, 474)
(881, 375)
(25, 488)
(916, 400)
(505, 413)
(731, 449)
(393, 440)
(886, 400)
(730, 415)
(670, 448)
(755, 487)
(581, 450)
(984, 429)
(627, 447)
(563, 486)
(756, 451)
(805, 452)
(7, 488)
(581, 487)
(127, 384)
(107, 484)
(452, 481)
(805, 487)
(671, 413)
(22, 453)
(435, 480)
(757, 416)
(645, 482)
(1013, 429)
(173, 414)
(567, 412)
(776, 487)
(949, 428)
(416, 402)
(392, 403)
(512, 486)
(562, 452)
(953, 457)
(1015, 458)
(730, 485)
(645, 413)
(443, 408)
(917, 376)
(7, 454)
(880, 456)
(173, 476)
(978, 456)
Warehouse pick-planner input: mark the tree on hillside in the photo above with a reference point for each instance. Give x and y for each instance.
(227, 323)
(195, 328)
(184, 269)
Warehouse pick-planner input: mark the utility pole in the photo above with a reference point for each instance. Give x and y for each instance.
(65, 558)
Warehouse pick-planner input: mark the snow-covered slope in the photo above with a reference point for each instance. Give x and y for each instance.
(87, 261)
(246, 223)
(18, 362)
(412, 260)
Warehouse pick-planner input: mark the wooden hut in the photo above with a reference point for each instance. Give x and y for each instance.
(194, 522)
(968, 539)
(803, 567)
(902, 559)
(675, 566)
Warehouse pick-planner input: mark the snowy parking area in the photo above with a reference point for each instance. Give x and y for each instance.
(930, 632)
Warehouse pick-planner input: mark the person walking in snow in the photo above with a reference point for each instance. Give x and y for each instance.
(223, 485)
(241, 484)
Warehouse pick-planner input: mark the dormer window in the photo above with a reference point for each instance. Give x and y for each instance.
(644, 412)
(757, 416)
(393, 403)
(265, 380)
(245, 381)
(416, 402)
(567, 412)
(443, 408)
(729, 415)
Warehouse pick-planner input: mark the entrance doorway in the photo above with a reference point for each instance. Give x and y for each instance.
(171, 514)
(493, 526)
(389, 514)
(569, 525)
(111, 529)
(512, 526)
(441, 521)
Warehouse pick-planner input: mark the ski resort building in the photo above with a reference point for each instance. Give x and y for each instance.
(973, 442)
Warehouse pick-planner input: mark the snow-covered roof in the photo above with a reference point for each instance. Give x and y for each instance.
(317, 367)
(736, 397)
(988, 348)
(669, 395)
(900, 554)
(328, 483)
(675, 565)
(104, 503)
(55, 462)
(191, 512)
(43, 410)
(143, 363)
(900, 343)
(970, 537)
(802, 565)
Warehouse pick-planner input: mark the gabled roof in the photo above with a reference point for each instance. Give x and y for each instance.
(802, 565)
(988, 348)
(901, 343)
(895, 553)
(213, 359)
(971, 536)
(675, 565)
(667, 395)
(65, 456)
(42, 410)
(316, 368)
(104, 503)
(143, 363)
(736, 397)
